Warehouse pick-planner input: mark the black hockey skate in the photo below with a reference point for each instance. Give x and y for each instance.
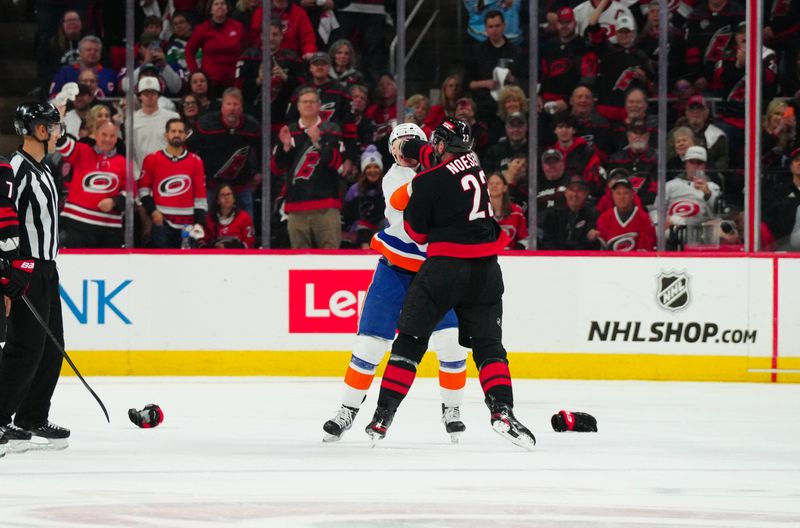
(506, 425)
(49, 436)
(451, 418)
(18, 439)
(336, 426)
(376, 430)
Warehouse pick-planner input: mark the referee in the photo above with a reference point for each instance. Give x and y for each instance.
(30, 364)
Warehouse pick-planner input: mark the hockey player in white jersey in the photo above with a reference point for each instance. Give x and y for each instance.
(401, 259)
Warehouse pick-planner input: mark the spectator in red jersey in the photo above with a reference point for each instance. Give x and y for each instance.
(172, 189)
(579, 157)
(509, 215)
(452, 90)
(309, 159)
(298, 35)
(92, 215)
(221, 40)
(625, 227)
(229, 227)
(572, 226)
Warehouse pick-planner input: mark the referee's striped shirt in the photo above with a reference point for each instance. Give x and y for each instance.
(37, 207)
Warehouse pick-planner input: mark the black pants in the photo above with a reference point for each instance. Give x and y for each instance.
(31, 364)
(474, 288)
(74, 234)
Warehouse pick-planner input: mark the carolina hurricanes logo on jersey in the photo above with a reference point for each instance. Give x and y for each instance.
(625, 79)
(510, 230)
(174, 185)
(718, 44)
(738, 93)
(623, 242)
(327, 110)
(637, 182)
(100, 182)
(684, 208)
(559, 67)
(231, 169)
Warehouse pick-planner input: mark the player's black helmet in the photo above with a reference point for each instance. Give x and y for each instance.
(455, 134)
(28, 115)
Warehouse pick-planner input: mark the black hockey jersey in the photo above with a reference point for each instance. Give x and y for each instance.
(449, 208)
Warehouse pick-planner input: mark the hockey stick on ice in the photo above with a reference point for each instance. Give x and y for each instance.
(63, 352)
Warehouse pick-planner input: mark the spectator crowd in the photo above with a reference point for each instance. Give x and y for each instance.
(199, 76)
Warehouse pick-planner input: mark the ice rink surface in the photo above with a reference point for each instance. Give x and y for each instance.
(248, 452)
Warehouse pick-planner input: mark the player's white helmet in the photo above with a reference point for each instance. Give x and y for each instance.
(405, 130)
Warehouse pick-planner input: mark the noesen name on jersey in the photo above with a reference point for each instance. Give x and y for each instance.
(462, 163)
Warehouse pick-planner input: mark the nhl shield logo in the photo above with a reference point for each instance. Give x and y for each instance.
(673, 291)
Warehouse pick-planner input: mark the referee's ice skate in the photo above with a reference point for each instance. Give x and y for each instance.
(48, 436)
(506, 425)
(336, 426)
(451, 418)
(18, 439)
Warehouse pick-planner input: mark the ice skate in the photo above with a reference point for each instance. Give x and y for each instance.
(18, 440)
(506, 425)
(376, 430)
(336, 427)
(451, 418)
(48, 436)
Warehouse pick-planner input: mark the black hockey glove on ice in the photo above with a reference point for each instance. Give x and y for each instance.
(574, 421)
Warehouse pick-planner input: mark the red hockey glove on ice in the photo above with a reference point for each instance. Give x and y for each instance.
(574, 421)
(16, 277)
(150, 416)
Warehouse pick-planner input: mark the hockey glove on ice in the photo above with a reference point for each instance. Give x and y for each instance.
(150, 416)
(16, 276)
(574, 421)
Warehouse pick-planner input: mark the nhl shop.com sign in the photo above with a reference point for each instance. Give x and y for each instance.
(326, 301)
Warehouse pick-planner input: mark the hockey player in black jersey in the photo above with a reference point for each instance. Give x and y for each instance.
(449, 209)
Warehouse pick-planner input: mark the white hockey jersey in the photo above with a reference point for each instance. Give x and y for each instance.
(684, 200)
(393, 242)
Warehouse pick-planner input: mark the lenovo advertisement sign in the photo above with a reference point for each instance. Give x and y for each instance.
(326, 301)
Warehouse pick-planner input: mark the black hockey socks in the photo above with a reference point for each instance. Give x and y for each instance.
(496, 381)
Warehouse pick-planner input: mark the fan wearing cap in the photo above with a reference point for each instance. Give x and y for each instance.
(552, 182)
(622, 65)
(698, 118)
(691, 197)
(335, 106)
(515, 141)
(640, 161)
(362, 210)
(150, 121)
(579, 157)
(75, 118)
(606, 13)
(625, 227)
(490, 59)
(565, 61)
(782, 213)
(572, 226)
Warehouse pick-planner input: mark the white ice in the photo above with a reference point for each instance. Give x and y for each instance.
(248, 452)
